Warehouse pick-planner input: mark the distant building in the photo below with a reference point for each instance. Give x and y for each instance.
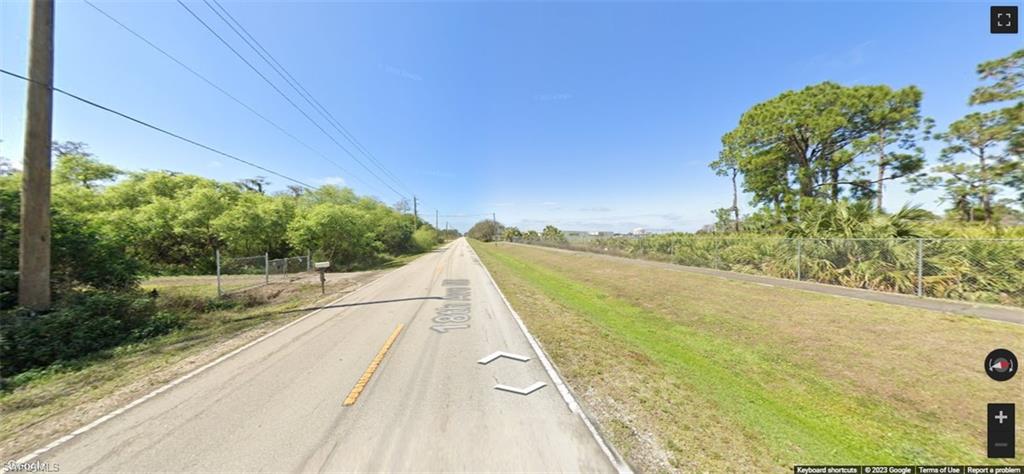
(639, 231)
(587, 234)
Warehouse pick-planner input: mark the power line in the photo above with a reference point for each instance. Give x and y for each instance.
(281, 93)
(161, 130)
(276, 66)
(223, 91)
(303, 92)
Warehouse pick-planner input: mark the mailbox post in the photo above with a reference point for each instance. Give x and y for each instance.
(321, 268)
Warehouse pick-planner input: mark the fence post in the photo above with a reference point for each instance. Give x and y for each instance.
(309, 260)
(266, 266)
(718, 256)
(216, 253)
(799, 259)
(920, 267)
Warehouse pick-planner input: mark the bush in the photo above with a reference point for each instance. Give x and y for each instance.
(337, 233)
(81, 324)
(8, 288)
(81, 255)
(984, 270)
(425, 238)
(486, 230)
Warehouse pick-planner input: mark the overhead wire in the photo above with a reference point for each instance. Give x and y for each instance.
(157, 128)
(223, 91)
(281, 93)
(301, 90)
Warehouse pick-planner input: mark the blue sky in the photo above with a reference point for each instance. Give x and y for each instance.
(587, 115)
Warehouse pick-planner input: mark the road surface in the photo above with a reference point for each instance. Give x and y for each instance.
(429, 405)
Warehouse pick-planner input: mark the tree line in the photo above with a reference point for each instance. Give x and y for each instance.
(490, 231)
(110, 227)
(828, 143)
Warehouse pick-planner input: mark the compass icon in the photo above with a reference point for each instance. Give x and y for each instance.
(1001, 365)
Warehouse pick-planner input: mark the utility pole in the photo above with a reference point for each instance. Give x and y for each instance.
(494, 220)
(415, 212)
(435, 218)
(34, 242)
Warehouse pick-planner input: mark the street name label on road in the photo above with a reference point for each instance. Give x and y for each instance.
(496, 355)
(522, 391)
(455, 312)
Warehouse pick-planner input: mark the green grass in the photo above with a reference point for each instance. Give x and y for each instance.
(206, 285)
(776, 405)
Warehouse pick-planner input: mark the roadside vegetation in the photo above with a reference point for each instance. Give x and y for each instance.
(827, 145)
(815, 164)
(700, 374)
(956, 263)
(113, 229)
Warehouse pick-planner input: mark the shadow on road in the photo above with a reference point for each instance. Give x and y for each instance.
(363, 303)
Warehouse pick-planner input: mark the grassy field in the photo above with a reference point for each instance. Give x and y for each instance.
(41, 405)
(206, 285)
(695, 373)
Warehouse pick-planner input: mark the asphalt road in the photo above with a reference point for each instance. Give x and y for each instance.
(429, 405)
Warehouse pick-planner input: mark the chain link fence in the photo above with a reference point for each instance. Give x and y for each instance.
(981, 270)
(289, 269)
(242, 273)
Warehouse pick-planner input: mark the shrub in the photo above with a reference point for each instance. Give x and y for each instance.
(486, 230)
(425, 238)
(338, 233)
(984, 270)
(82, 323)
(81, 255)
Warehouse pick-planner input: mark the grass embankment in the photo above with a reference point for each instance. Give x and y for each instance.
(695, 373)
(41, 405)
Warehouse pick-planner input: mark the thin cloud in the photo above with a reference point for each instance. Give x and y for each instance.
(331, 180)
(595, 209)
(397, 71)
(555, 97)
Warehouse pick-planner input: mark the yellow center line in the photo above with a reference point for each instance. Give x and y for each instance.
(361, 384)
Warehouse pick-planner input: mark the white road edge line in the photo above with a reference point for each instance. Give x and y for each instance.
(617, 462)
(64, 439)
